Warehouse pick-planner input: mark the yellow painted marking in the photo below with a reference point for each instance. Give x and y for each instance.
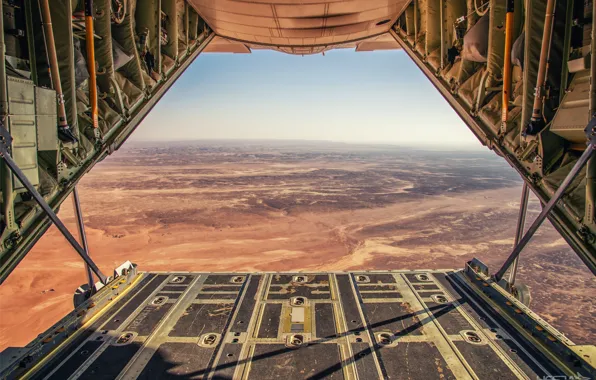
(47, 358)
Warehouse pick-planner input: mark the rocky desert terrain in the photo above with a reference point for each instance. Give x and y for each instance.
(289, 206)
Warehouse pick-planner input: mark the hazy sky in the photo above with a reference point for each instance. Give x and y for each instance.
(342, 96)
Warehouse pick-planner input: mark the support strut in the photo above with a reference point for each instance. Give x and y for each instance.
(537, 121)
(519, 232)
(7, 185)
(590, 208)
(82, 236)
(546, 210)
(5, 141)
(64, 132)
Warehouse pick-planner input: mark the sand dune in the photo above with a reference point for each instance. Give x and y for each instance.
(289, 208)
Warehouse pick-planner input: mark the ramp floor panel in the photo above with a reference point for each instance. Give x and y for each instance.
(393, 325)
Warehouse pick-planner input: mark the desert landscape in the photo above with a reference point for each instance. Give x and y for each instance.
(290, 206)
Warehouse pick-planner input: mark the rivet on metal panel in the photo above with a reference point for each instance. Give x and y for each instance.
(238, 279)
(384, 338)
(125, 338)
(439, 298)
(209, 340)
(298, 301)
(300, 279)
(177, 279)
(362, 278)
(295, 341)
(159, 300)
(472, 337)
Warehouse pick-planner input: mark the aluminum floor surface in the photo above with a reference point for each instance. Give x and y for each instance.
(369, 325)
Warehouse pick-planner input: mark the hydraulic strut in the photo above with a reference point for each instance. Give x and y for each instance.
(537, 121)
(82, 235)
(581, 162)
(90, 42)
(519, 232)
(64, 132)
(507, 62)
(5, 143)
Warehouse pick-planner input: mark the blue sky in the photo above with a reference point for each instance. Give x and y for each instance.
(375, 97)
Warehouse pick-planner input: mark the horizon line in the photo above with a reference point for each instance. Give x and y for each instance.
(467, 146)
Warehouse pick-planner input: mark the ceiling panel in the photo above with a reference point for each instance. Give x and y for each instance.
(299, 23)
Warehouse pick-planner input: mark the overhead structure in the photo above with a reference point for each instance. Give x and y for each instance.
(103, 82)
(301, 27)
(107, 79)
(544, 134)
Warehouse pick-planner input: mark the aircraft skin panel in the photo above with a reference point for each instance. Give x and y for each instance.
(543, 158)
(434, 36)
(65, 164)
(566, 226)
(289, 24)
(366, 325)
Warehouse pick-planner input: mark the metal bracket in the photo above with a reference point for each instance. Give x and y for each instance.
(5, 137)
(82, 234)
(581, 162)
(5, 140)
(590, 131)
(519, 232)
